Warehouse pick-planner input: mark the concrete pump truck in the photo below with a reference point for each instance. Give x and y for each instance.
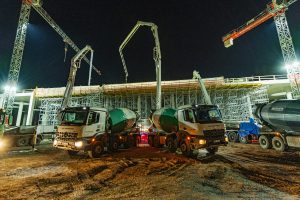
(91, 129)
(190, 127)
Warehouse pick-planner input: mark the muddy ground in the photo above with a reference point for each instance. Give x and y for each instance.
(237, 171)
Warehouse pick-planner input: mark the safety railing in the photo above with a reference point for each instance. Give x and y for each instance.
(256, 78)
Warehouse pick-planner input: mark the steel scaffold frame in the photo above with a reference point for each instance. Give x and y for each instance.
(235, 104)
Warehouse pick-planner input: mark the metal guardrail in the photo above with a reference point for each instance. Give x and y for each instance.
(256, 78)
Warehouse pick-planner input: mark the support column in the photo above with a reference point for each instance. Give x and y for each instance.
(139, 106)
(249, 106)
(30, 109)
(172, 100)
(20, 111)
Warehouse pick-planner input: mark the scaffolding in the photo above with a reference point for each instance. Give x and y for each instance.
(235, 100)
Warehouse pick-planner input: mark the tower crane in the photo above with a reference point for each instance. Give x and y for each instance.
(16, 60)
(275, 9)
(156, 56)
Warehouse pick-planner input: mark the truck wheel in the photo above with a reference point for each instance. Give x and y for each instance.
(264, 142)
(232, 136)
(38, 140)
(278, 144)
(151, 140)
(212, 150)
(97, 150)
(185, 149)
(172, 147)
(22, 141)
(137, 140)
(157, 142)
(114, 146)
(72, 153)
(244, 139)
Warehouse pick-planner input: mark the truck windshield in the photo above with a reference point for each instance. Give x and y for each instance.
(71, 117)
(212, 115)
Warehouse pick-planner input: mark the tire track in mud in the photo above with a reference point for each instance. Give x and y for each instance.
(258, 170)
(98, 177)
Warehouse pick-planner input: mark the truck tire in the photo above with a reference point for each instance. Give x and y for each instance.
(113, 145)
(157, 142)
(22, 141)
(186, 149)
(137, 140)
(244, 139)
(278, 144)
(97, 150)
(38, 140)
(232, 136)
(72, 153)
(151, 140)
(212, 150)
(264, 142)
(171, 144)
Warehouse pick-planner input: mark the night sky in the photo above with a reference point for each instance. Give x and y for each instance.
(190, 34)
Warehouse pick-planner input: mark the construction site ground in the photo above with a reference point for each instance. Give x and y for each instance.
(238, 171)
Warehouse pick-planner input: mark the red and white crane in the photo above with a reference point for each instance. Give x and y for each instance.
(275, 9)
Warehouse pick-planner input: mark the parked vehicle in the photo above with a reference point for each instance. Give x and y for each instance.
(190, 128)
(281, 124)
(95, 130)
(17, 136)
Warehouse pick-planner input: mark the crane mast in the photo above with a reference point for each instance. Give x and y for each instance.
(19, 44)
(16, 59)
(156, 56)
(275, 9)
(75, 64)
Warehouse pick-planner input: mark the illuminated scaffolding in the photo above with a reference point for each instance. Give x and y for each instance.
(234, 99)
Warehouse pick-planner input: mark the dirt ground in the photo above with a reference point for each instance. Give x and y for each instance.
(237, 171)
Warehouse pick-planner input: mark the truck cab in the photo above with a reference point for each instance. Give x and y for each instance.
(191, 127)
(80, 127)
(201, 126)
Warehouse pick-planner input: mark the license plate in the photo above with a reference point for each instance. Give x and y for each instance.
(65, 143)
(216, 141)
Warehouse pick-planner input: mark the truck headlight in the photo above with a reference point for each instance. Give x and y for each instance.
(226, 139)
(78, 144)
(54, 142)
(1, 143)
(202, 142)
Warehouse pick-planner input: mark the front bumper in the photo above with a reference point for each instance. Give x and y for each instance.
(73, 145)
(196, 144)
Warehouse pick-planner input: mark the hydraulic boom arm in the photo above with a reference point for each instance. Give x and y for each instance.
(197, 76)
(156, 56)
(19, 44)
(60, 32)
(75, 64)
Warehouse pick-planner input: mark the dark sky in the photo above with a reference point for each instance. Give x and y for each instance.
(190, 34)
